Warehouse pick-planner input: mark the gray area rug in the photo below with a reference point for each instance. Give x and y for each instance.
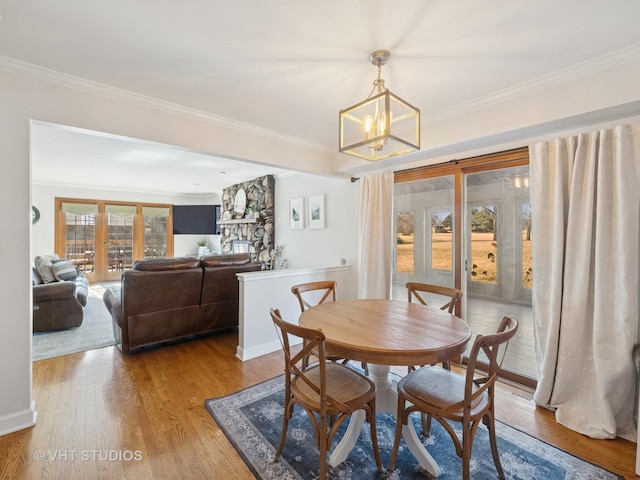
(252, 420)
(95, 332)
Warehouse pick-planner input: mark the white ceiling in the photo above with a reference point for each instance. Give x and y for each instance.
(66, 156)
(289, 66)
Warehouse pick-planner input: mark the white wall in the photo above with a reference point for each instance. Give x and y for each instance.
(34, 94)
(319, 247)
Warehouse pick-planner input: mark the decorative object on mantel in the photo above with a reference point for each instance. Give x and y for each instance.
(381, 126)
(315, 207)
(256, 228)
(239, 203)
(240, 246)
(296, 213)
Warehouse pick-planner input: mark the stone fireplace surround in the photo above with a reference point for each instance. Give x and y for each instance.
(256, 226)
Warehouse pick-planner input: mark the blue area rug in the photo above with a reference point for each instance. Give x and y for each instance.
(252, 420)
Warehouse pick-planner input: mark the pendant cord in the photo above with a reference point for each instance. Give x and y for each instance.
(378, 83)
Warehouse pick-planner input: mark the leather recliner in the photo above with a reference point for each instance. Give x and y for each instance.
(58, 305)
(164, 299)
(159, 300)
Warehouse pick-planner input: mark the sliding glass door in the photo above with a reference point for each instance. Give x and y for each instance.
(467, 225)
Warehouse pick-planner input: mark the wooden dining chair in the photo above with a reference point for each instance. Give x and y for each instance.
(416, 290)
(315, 293)
(326, 390)
(445, 395)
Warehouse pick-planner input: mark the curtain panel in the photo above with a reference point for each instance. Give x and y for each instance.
(585, 195)
(376, 200)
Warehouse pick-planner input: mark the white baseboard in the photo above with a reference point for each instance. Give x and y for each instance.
(18, 420)
(263, 349)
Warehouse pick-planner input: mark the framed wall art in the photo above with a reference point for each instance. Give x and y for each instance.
(315, 211)
(296, 213)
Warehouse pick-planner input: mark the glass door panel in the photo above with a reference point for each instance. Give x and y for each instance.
(155, 231)
(527, 272)
(80, 235)
(498, 259)
(441, 239)
(484, 247)
(424, 233)
(405, 253)
(119, 239)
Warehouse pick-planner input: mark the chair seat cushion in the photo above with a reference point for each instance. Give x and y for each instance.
(439, 387)
(343, 384)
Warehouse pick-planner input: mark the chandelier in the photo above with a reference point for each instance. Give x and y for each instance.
(381, 126)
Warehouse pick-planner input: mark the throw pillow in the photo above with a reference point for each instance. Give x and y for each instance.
(43, 265)
(64, 270)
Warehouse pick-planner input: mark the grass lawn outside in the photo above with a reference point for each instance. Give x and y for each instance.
(483, 256)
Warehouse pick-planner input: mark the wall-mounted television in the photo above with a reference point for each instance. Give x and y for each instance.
(196, 219)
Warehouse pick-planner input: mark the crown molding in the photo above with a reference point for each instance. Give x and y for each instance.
(584, 69)
(36, 72)
(619, 57)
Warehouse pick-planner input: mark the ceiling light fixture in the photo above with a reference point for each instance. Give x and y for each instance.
(381, 126)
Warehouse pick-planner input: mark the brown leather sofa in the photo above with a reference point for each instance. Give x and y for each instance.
(164, 299)
(58, 305)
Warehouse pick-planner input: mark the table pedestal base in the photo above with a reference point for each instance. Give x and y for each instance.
(386, 402)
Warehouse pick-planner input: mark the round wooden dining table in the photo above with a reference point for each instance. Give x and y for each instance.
(384, 333)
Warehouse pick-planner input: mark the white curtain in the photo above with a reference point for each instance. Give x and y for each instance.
(376, 199)
(585, 196)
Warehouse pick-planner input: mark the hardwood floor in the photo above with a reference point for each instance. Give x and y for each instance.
(105, 415)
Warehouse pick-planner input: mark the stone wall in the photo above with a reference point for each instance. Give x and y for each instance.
(257, 224)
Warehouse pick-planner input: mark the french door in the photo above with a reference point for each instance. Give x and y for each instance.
(104, 238)
(467, 225)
